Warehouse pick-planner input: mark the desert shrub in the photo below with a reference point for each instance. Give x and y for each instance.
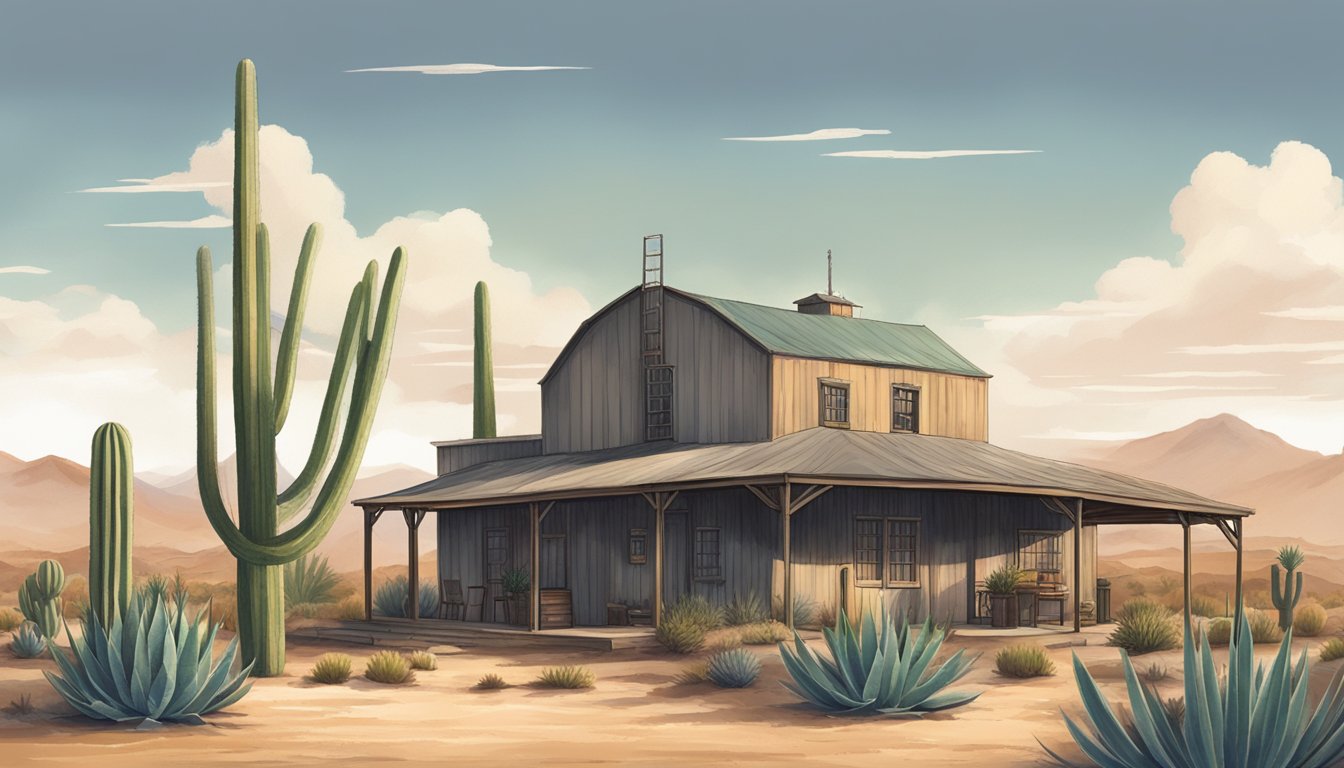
(27, 642)
(724, 641)
(1332, 649)
(1004, 579)
(887, 669)
(745, 610)
(1309, 619)
(567, 676)
(1023, 660)
(21, 707)
(350, 609)
(680, 634)
(1166, 584)
(390, 599)
(826, 615)
(1155, 673)
(1219, 631)
(310, 580)
(490, 682)
(1143, 626)
(764, 633)
(1136, 588)
(1207, 607)
(1333, 600)
(698, 610)
(76, 597)
(331, 668)
(1264, 627)
(423, 660)
(154, 588)
(804, 611)
(159, 661)
(388, 667)
(10, 620)
(697, 672)
(224, 610)
(1259, 599)
(736, 668)
(1174, 710)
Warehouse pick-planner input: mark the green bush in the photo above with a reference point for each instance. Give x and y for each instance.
(804, 611)
(1332, 649)
(568, 676)
(424, 660)
(1205, 606)
(310, 580)
(390, 598)
(1219, 631)
(332, 668)
(27, 642)
(388, 667)
(1264, 627)
(763, 633)
(697, 610)
(10, 620)
(1023, 660)
(491, 682)
(1004, 579)
(155, 663)
(884, 670)
(1256, 716)
(1309, 619)
(748, 610)
(1143, 626)
(680, 634)
(516, 581)
(736, 668)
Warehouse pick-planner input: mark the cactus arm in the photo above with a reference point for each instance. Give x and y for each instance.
(483, 375)
(287, 360)
(1276, 591)
(1297, 591)
(352, 334)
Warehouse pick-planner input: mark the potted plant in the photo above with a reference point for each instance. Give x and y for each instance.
(1002, 587)
(517, 585)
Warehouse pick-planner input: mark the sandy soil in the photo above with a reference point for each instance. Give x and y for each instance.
(636, 714)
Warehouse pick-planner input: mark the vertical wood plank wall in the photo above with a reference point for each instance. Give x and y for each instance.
(950, 405)
(963, 536)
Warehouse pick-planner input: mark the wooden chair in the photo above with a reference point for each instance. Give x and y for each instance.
(475, 603)
(451, 604)
(1052, 593)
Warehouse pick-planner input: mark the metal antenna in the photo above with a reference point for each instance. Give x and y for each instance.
(829, 292)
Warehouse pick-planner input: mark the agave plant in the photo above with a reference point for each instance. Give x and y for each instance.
(154, 664)
(27, 642)
(1258, 718)
(885, 671)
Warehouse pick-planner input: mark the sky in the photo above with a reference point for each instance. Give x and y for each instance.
(1126, 212)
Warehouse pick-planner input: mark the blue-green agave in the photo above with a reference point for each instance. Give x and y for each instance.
(28, 642)
(1258, 718)
(734, 668)
(884, 671)
(154, 664)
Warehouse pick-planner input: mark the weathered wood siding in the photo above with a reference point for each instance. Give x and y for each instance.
(950, 405)
(595, 399)
(460, 454)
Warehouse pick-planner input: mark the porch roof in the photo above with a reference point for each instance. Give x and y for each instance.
(819, 456)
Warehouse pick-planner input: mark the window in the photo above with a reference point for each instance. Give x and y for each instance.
(904, 408)
(708, 566)
(886, 552)
(658, 402)
(834, 403)
(1040, 551)
(639, 546)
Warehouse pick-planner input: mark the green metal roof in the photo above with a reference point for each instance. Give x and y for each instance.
(849, 339)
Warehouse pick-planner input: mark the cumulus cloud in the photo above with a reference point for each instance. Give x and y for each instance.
(82, 356)
(460, 69)
(821, 134)
(1256, 292)
(929, 154)
(24, 269)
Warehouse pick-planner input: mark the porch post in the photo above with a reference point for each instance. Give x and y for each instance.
(370, 517)
(658, 508)
(1185, 549)
(1236, 526)
(1078, 566)
(785, 518)
(534, 603)
(413, 518)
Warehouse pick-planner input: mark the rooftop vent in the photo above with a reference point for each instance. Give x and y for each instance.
(827, 303)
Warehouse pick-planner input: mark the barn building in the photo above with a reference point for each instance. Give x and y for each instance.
(808, 456)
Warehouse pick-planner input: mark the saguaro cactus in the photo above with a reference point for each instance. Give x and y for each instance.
(1287, 594)
(483, 382)
(260, 407)
(40, 597)
(111, 521)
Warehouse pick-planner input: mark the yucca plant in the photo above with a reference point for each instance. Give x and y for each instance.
(568, 676)
(887, 670)
(423, 660)
(745, 610)
(331, 668)
(491, 681)
(156, 663)
(310, 580)
(388, 667)
(697, 610)
(27, 642)
(735, 668)
(1257, 718)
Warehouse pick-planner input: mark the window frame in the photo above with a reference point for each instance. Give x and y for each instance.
(698, 573)
(840, 384)
(1047, 534)
(884, 561)
(640, 535)
(915, 402)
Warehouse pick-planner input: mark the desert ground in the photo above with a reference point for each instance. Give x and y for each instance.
(638, 713)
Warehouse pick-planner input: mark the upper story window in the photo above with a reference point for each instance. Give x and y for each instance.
(904, 408)
(834, 403)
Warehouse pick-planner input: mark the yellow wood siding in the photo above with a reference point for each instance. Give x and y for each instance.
(949, 405)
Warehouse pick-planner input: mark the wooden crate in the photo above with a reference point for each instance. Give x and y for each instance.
(557, 610)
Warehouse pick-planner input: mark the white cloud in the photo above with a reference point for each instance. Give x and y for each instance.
(460, 69)
(135, 186)
(1247, 302)
(931, 154)
(24, 269)
(822, 134)
(213, 221)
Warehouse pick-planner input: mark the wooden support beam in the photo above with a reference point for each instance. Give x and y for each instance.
(659, 545)
(413, 519)
(1185, 565)
(1241, 540)
(766, 496)
(370, 517)
(785, 521)
(1077, 565)
(1225, 528)
(535, 513)
(808, 496)
(1056, 505)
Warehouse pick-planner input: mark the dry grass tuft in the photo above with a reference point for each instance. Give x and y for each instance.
(568, 676)
(389, 667)
(331, 668)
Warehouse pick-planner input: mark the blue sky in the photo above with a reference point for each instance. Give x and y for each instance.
(570, 168)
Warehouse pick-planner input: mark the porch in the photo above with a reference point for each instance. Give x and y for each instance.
(423, 634)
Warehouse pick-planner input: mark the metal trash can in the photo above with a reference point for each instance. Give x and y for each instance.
(1103, 601)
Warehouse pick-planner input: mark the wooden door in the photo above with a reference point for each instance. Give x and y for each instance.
(676, 556)
(554, 562)
(496, 562)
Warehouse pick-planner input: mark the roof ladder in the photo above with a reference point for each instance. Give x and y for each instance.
(657, 374)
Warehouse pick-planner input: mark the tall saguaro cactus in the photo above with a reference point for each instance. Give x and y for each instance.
(260, 406)
(483, 369)
(111, 518)
(1285, 597)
